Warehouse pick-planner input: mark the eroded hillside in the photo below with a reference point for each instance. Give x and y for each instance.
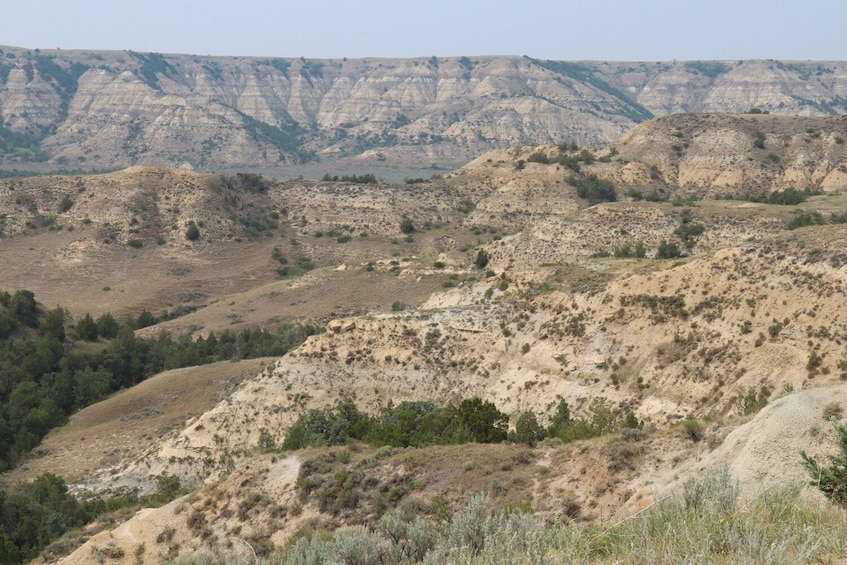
(102, 109)
(710, 321)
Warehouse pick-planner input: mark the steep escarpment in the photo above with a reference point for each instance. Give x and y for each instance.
(114, 109)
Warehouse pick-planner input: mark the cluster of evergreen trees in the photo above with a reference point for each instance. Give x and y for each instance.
(35, 514)
(421, 423)
(44, 377)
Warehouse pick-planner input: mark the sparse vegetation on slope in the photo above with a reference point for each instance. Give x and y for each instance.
(492, 305)
(705, 522)
(46, 376)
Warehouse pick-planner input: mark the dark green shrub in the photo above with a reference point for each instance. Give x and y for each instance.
(805, 219)
(135, 243)
(407, 226)
(687, 232)
(528, 430)
(367, 178)
(168, 487)
(586, 156)
(539, 157)
(711, 69)
(305, 263)
(593, 188)
(668, 250)
(86, 328)
(466, 206)
(107, 326)
(831, 480)
(23, 308)
(560, 420)
(601, 421)
(66, 204)
(252, 182)
(752, 402)
(630, 422)
(569, 161)
(192, 232)
(692, 428)
(627, 251)
(7, 326)
(788, 197)
(482, 419)
(277, 255)
(482, 259)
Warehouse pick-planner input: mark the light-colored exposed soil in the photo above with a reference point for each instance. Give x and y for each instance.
(752, 315)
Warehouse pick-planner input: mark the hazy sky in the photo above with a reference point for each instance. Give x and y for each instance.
(600, 29)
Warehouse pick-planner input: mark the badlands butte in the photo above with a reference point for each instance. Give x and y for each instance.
(114, 109)
(662, 274)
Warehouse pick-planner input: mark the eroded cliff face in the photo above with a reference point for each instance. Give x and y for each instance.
(725, 154)
(114, 109)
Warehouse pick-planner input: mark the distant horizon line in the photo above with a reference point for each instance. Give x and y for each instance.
(418, 57)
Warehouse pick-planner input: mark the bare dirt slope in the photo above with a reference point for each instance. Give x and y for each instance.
(715, 154)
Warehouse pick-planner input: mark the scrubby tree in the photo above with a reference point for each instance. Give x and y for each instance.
(54, 324)
(86, 328)
(107, 326)
(481, 259)
(145, 319)
(593, 188)
(560, 420)
(483, 420)
(91, 386)
(832, 479)
(192, 232)
(7, 326)
(668, 250)
(407, 226)
(631, 422)
(22, 308)
(528, 430)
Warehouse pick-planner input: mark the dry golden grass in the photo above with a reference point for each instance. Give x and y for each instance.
(119, 428)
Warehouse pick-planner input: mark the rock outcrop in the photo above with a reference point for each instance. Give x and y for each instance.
(115, 109)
